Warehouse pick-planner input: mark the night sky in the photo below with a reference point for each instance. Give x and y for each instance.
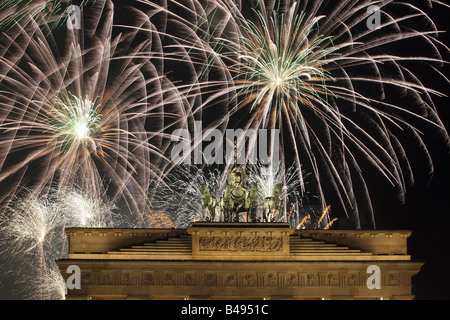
(426, 210)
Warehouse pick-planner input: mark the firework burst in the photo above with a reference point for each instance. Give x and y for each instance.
(88, 211)
(32, 237)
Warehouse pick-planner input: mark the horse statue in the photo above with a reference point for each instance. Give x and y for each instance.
(252, 202)
(272, 205)
(208, 202)
(226, 204)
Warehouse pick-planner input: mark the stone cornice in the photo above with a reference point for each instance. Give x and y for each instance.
(238, 241)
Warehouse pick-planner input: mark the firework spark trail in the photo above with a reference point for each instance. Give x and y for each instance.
(344, 94)
(17, 11)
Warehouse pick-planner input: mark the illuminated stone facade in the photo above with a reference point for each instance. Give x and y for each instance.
(238, 261)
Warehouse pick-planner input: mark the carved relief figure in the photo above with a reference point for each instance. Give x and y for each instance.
(189, 279)
(230, 280)
(210, 279)
(311, 280)
(169, 279)
(148, 279)
(271, 279)
(332, 279)
(291, 281)
(249, 279)
(351, 281)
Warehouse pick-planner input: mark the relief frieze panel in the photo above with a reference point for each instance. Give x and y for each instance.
(237, 279)
(241, 243)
